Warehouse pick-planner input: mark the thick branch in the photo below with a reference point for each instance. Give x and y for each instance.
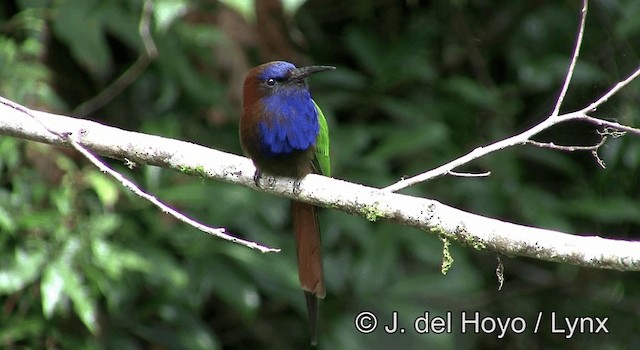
(374, 204)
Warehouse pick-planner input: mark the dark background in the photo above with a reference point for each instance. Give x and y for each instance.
(86, 264)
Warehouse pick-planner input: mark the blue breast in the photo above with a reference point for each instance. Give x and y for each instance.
(290, 123)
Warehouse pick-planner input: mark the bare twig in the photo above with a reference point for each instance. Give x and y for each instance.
(592, 107)
(218, 232)
(600, 122)
(551, 145)
(455, 173)
(525, 136)
(574, 59)
(71, 139)
(145, 33)
(593, 149)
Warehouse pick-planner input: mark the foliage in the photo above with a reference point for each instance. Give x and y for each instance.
(85, 264)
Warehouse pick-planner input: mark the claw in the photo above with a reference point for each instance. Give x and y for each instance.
(256, 178)
(296, 187)
(271, 181)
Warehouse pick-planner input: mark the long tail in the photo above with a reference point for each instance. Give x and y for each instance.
(310, 272)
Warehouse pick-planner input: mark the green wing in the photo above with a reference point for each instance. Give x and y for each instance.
(322, 145)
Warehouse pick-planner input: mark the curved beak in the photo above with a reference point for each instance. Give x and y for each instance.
(301, 73)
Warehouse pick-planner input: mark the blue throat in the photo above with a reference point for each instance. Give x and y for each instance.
(291, 122)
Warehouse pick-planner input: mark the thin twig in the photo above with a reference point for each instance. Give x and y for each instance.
(594, 149)
(600, 122)
(525, 136)
(145, 33)
(551, 145)
(455, 173)
(72, 141)
(218, 232)
(574, 59)
(592, 107)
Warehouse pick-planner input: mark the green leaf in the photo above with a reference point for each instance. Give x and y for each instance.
(105, 188)
(472, 92)
(243, 7)
(60, 280)
(21, 329)
(375, 269)
(51, 287)
(48, 220)
(237, 289)
(165, 12)
(83, 304)
(114, 259)
(367, 50)
(607, 210)
(7, 223)
(122, 22)
(200, 35)
(23, 269)
(79, 25)
(292, 6)
(404, 141)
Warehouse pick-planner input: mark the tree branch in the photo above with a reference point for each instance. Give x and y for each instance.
(70, 137)
(525, 137)
(574, 59)
(374, 204)
(551, 120)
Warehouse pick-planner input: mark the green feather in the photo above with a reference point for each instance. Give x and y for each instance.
(322, 160)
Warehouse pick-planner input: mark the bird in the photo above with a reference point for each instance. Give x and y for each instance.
(285, 133)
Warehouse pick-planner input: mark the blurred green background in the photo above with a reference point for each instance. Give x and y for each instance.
(86, 264)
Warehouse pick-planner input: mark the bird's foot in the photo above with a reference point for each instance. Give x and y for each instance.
(256, 178)
(296, 187)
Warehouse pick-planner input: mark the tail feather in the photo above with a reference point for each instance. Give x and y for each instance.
(307, 232)
(312, 309)
(308, 249)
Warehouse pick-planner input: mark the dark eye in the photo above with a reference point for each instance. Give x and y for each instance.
(271, 82)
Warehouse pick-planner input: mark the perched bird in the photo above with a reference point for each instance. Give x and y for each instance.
(285, 134)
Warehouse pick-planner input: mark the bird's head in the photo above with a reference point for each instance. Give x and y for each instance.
(278, 77)
(277, 103)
